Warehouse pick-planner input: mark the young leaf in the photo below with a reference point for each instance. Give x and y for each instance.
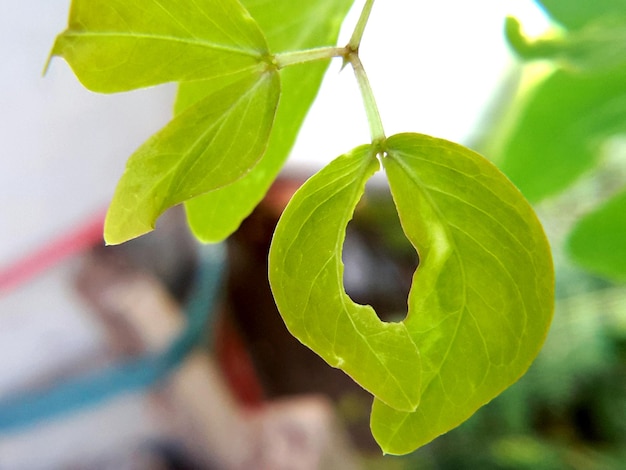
(118, 45)
(482, 297)
(561, 128)
(209, 145)
(598, 47)
(306, 275)
(598, 241)
(215, 215)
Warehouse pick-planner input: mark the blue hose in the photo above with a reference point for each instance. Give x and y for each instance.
(31, 407)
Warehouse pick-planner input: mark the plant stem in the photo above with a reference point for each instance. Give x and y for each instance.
(357, 34)
(350, 54)
(286, 59)
(371, 108)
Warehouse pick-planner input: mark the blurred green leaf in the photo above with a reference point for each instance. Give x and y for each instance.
(118, 45)
(209, 145)
(288, 25)
(560, 129)
(574, 14)
(599, 46)
(306, 275)
(598, 241)
(482, 297)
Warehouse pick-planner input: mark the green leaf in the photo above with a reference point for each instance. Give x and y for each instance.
(288, 25)
(482, 297)
(209, 145)
(575, 14)
(598, 241)
(118, 45)
(597, 47)
(558, 134)
(306, 275)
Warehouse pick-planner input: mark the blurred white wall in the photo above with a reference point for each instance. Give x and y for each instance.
(62, 148)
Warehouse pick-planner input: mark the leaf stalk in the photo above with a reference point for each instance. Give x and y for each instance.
(350, 55)
(286, 59)
(377, 131)
(357, 34)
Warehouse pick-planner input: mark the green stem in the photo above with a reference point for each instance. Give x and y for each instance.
(357, 34)
(349, 53)
(371, 108)
(286, 59)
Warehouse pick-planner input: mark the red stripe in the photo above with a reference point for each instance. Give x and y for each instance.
(85, 236)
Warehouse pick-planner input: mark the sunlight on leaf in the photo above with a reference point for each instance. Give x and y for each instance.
(118, 45)
(482, 297)
(598, 241)
(288, 25)
(306, 275)
(209, 145)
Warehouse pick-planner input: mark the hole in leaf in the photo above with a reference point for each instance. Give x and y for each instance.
(379, 261)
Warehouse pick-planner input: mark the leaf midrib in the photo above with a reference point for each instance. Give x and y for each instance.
(465, 310)
(162, 37)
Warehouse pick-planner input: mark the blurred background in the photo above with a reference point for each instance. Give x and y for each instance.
(161, 353)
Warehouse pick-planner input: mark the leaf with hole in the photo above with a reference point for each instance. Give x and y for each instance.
(481, 299)
(306, 275)
(482, 296)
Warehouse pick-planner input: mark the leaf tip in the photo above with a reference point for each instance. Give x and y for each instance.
(51, 54)
(117, 231)
(46, 66)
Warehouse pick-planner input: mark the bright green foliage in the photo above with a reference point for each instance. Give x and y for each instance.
(306, 275)
(209, 145)
(564, 123)
(598, 241)
(575, 14)
(561, 129)
(118, 45)
(481, 300)
(597, 47)
(217, 214)
(570, 114)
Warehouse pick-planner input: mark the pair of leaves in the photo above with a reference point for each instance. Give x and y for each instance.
(564, 123)
(481, 299)
(288, 25)
(227, 104)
